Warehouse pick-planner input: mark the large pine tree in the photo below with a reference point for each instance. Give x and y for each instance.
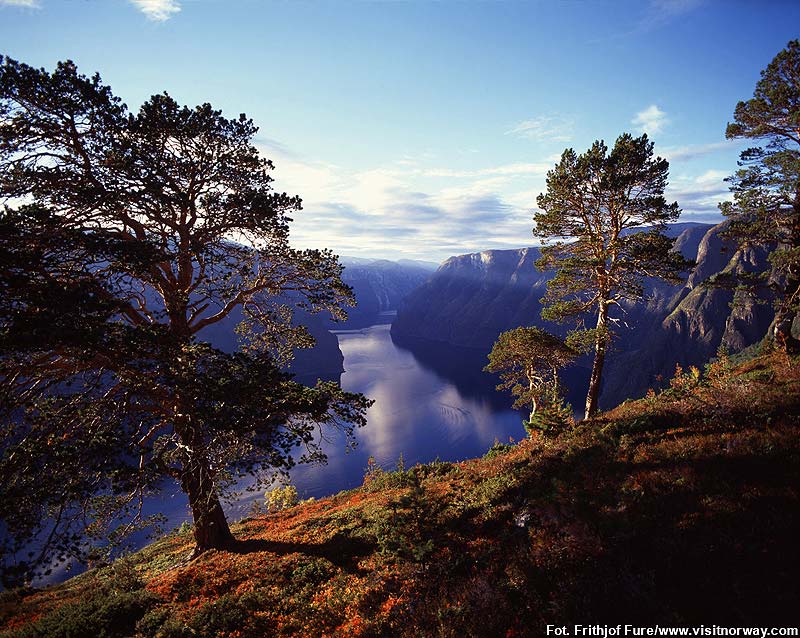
(602, 220)
(142, 229)
(766, 189)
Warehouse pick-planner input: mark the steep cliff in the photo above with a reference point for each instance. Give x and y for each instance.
(699, 321)
(472, 298)
(380, 286)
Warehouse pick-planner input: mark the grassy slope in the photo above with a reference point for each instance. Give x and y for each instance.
(679, 508)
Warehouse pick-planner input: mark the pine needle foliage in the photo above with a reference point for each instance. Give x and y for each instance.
(602, 219)
(765, 210)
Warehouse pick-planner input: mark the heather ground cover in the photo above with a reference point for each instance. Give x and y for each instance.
(679, 508)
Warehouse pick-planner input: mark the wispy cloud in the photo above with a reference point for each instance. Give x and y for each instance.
(661, 12)
(655, 14)
(28, 4)
(520, 168)
(544, 128)
(405, 209)
(157, 10)
(651, 120)
(696, 151)
(699, 195)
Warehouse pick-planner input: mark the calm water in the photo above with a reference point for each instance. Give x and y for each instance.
(450, 411)
(430, 401)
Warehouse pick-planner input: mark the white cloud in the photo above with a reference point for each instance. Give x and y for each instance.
(695, 151)
(157, 10)
(667, 9)
(700, 194)
(29, 4)
(651, 121)
(406, 209)
(659, 13)
(520, 168)
(543, 128)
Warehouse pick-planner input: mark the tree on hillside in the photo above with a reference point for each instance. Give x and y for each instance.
(140, 230)
(528, 361)
(592, 204)
(766, 189)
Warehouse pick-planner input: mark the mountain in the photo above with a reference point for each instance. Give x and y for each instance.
(380, 286)
(699, 320)
(471, 298)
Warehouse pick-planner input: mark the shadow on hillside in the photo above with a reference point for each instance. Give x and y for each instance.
(341, 550)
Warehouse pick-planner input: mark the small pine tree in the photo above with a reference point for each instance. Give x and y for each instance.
(528, 360)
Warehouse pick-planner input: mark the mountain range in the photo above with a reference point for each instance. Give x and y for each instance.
(379, 286)
(472, 298)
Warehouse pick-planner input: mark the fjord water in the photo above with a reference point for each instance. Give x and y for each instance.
(431, 401)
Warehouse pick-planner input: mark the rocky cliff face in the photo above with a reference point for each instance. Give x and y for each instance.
(472, 298)
(699, 321)
(380, 286)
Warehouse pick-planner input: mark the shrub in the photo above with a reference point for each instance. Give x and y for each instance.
(498, 449)
(553, 418)
(102, 615)
(281, 498)
(376, 478)
(407, 532)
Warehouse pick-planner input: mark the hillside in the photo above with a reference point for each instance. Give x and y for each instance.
(379, 286)
(679, 508)
(472, 298)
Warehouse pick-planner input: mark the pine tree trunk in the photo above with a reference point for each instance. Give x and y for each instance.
(534, 406)
(781, 329)
(599, 359)
(784, 317)
(211, 529)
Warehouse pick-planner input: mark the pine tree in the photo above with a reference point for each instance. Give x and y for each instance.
(145, 229)
(766, 189)
(602, 220)
(528, 361)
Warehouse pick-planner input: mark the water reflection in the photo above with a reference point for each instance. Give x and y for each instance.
(431, 401)
(451, 412)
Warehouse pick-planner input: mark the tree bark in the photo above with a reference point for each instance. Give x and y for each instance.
(781, 329)
(599, 359)
(534, 406)
(211, 529)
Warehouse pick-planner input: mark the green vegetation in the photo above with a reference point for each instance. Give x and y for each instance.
(528, 360)
(679, 508)
(592, 203)
(107, 282)
(281, 497)
(766, 189)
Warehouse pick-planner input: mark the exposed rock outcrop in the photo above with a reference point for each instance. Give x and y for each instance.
(472, 298)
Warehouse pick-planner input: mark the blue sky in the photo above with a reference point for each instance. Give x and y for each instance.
(425, 129)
